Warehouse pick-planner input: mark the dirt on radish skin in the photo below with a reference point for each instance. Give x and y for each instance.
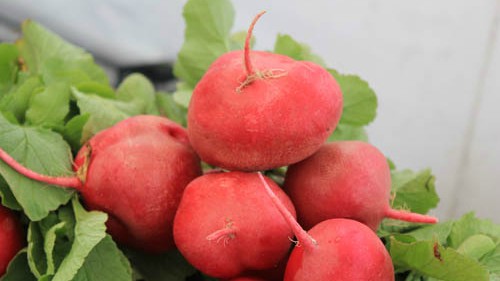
(346, 250)
(255, 110)
(226, 225)
(345, 179)
(136, 172)
(11, 237)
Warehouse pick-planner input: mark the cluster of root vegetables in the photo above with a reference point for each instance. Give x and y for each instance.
(251, 112)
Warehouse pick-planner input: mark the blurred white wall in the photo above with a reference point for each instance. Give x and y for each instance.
(435, 66)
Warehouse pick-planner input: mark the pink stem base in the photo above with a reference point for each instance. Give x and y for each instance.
(73, 182)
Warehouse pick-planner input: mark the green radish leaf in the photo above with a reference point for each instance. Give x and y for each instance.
(436, 232)
(105, 263)
(286, 45)
(492, 262)
(45, 52)
(431, 259)
(72, 131)
(348, 132)
(476, 246)
(360, 102)
(8, 67)
(36, 257)
(136, 88)
(42, 151)
(89, 231)
(73, 72)
(19, 269)
(103, 113)
(17, 101)
(469, 225)
(415, 192)
(134, 96)
(171, 109)
(8, 199)
(102, 90)
(183, 94)
(168, 266)
(49, 107)
(207, 36)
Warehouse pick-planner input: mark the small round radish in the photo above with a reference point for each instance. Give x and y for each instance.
(136, 172)
(226, 225)
(345, 179)
(335, 249)
(11, 238)
(258, 110)
(347, 250)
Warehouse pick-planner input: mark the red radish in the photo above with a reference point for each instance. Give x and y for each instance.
(347, 250)
(258, 110)
(11, 238)
(226, 225)
(345, 179)
(136, 172)
(341, 250)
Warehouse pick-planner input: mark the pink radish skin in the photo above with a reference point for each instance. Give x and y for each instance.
(136, 172)
(11, 238)
(273, 274)
(345, 179)
(226, 225)
(258, 110)
(335, 249)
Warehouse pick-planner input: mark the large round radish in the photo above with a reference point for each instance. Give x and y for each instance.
(258, 110)
(11, 238)
(335, 249)
(226, 225)
(346, 179)
(136, 172)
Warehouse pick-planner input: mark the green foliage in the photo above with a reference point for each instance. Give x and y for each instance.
(42, 151)
(8, 67)
(428, 258)
(207, 36)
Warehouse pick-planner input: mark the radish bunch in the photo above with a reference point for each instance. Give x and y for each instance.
(252, 111)
(232, 120)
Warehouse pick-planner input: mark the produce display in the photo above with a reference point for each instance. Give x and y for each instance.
(257, 167)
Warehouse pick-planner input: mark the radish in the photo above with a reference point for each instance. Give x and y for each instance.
(335, 249)
(345, 179)
(258, 110)
(226, 226)
(11, 238)
(136, 172)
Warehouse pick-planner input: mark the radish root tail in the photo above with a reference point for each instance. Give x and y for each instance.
(409, 216)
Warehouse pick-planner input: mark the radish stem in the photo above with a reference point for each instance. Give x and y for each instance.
(303, 237)
(73, 182)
